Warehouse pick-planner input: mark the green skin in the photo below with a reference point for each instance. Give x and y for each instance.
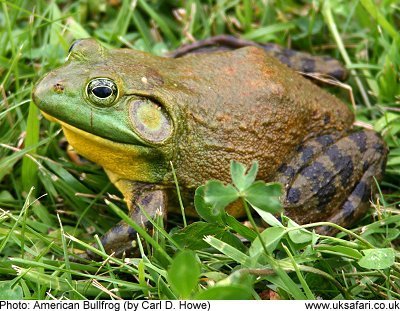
(200, 112)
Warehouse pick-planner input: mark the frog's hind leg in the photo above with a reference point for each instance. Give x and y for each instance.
(331, 178)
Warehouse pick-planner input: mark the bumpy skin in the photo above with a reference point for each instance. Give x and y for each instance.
(200, 112)
(299, 61)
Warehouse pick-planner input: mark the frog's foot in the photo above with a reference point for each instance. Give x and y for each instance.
(121, 240)
(299, 61)
(331, 178)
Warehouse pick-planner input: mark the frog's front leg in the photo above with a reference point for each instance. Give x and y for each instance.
(331, 178)
(119, 240)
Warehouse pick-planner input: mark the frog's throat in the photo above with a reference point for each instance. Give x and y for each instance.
(131, 162)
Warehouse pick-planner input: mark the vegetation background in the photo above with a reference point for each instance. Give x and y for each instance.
(49, 204)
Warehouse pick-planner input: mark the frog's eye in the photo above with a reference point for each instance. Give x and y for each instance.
(150, 120)
(102, 92)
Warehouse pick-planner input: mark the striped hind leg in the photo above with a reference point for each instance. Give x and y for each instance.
(331, 178)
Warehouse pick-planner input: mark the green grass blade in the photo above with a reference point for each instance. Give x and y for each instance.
(29, 167)
(373, 9)
(142, 232)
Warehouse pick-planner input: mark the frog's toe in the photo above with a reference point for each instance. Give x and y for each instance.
(332, 178)
(119, 241)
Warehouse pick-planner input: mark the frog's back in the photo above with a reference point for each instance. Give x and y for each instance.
(248, 107)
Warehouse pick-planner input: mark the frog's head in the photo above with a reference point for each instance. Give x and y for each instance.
(109, 110)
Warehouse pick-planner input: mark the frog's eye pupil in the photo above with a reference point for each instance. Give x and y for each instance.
(102, 92)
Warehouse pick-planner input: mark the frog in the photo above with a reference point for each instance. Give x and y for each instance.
(135, 113)
(305, 63)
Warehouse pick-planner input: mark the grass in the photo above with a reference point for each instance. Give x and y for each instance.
(50, 205)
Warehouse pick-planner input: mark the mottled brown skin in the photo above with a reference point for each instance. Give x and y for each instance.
(299, 61)
(240, 125)
(239, 105)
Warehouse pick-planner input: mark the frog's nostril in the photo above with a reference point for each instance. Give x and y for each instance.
(58, 88)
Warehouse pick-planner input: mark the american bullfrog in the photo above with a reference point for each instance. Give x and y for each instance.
(133, 113)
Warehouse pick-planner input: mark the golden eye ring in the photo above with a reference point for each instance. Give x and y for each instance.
(102, 92)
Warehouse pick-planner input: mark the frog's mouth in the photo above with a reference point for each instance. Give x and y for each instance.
(89, 137)
(134, 162)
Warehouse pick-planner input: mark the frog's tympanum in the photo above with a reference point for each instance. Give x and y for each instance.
(133, 113)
